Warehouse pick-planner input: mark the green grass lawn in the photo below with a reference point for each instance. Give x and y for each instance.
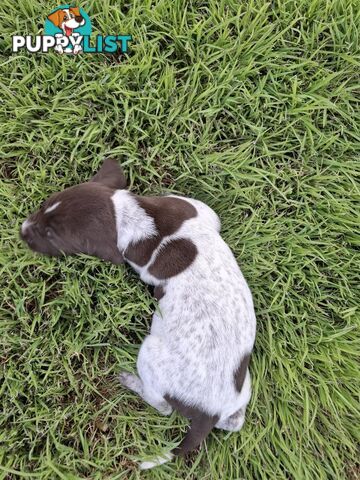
(251, 107)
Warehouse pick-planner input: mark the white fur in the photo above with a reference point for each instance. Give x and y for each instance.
(205, 323)
(156, 461)
(25, 225)
(135, 224)
(70, 22)
(52, 208)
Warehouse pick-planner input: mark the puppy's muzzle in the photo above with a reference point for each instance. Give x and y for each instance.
(27, 232)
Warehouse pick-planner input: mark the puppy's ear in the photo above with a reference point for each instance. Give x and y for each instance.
(57, 17)
(111, 175)
(75, 11)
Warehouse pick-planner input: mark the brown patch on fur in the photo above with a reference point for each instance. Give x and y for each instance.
(201, 425)
(59, 16)
(240, 372)
(168, 213)
(140, 252)
(174, 258)
(159, 292)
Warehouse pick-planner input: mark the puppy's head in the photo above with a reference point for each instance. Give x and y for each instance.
(71, 17)
(80, 219)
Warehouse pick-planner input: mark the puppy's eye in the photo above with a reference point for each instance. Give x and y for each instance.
(48, 232)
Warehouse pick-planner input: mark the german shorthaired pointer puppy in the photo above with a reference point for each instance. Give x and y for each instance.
(195, 359)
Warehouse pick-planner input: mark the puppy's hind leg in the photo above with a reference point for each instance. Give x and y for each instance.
(233, 423)
(150, 365)
(134, 383)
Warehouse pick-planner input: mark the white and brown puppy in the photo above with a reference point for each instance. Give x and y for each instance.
(196, 358)
(67, 20)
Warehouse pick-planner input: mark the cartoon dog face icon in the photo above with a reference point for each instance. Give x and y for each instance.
(67, 19)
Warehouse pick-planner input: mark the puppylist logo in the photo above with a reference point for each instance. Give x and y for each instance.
(67, 30)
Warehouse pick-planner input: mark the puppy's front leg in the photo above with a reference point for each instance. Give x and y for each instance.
(77, 48)
(59, 47)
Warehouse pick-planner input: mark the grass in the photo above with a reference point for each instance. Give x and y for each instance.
(252, 107)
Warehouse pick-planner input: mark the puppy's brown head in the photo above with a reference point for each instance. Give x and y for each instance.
(80, 219)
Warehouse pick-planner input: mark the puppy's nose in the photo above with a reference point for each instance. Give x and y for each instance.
(79, 18)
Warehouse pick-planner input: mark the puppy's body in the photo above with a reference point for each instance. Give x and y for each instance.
(205, 325)
(196, 356)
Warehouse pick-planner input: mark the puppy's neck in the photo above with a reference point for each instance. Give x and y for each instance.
(132, 222)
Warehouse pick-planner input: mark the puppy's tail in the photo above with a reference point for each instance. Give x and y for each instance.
(200, 427)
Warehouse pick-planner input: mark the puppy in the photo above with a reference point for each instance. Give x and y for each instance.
(67, 19)
(195, 359)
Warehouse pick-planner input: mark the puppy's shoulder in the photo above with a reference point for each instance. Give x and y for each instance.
(205, 214)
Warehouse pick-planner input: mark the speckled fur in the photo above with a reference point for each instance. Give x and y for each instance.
(196, 356)
(205, 323)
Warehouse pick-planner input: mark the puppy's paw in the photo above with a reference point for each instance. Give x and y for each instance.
(129, 380)
(77, 49)
(164, 408)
